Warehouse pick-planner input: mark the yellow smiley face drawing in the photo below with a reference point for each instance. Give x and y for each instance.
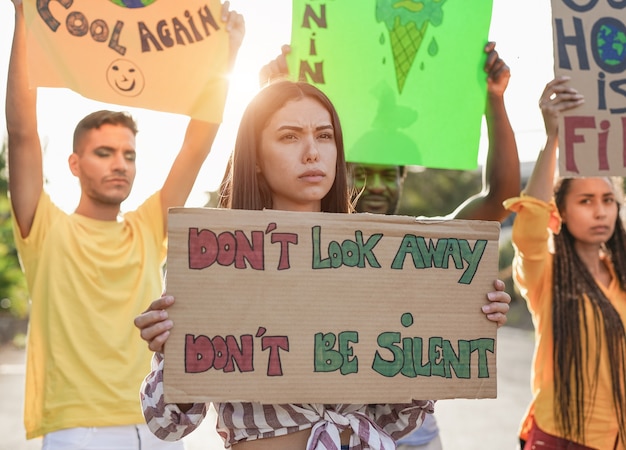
(125, 78)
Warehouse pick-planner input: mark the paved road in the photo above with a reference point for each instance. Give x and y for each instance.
(489, 424)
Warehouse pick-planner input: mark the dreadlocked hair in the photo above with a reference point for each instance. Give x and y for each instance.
(572, 356)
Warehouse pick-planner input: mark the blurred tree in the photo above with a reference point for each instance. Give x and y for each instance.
(13, 291)
(437, 192)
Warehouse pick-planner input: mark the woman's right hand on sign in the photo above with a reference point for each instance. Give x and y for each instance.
(154, 323)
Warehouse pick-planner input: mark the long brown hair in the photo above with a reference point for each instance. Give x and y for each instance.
(244, 188)
(572, 279)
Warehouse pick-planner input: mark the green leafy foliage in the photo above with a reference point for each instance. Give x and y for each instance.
(13, 291)
(437, 192)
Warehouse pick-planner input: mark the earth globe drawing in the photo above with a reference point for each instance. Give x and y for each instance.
(132, 3)
(608, 38)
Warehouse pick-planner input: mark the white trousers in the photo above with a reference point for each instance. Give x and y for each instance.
(434, 444)
(128, 437)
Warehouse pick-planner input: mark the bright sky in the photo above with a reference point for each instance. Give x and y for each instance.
(521, 29)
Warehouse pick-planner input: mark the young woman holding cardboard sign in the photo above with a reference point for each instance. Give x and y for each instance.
(289, 155)
(577, 295)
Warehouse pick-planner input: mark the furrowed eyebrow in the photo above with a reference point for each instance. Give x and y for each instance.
(606, 194)
(296, 128)
(111, 149)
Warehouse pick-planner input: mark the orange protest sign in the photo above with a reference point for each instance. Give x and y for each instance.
(163, 55)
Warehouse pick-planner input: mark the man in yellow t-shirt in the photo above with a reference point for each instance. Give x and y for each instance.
(91, 272)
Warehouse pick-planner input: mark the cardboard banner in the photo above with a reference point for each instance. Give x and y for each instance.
(407, 78)
(590, 47)
(164, 55)
(292, 307)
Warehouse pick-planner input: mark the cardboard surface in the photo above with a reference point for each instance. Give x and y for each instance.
(590, 47)
(290, 307)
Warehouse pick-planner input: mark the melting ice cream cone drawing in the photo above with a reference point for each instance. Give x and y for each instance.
(407, 22)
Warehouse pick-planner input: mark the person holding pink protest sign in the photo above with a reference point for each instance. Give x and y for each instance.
(289, 155)
(570, 265)
(91, 272)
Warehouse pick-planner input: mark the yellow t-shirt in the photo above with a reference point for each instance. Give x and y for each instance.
(532, 269)
(88, 279)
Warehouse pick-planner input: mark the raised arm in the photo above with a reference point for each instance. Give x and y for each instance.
(200, 135)
(276, 69)
(556, 98)
(25, 159)
(501, 176)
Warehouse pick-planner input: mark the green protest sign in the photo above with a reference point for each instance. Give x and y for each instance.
(406, 77)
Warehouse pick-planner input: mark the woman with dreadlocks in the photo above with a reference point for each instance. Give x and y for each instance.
(576, 292)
